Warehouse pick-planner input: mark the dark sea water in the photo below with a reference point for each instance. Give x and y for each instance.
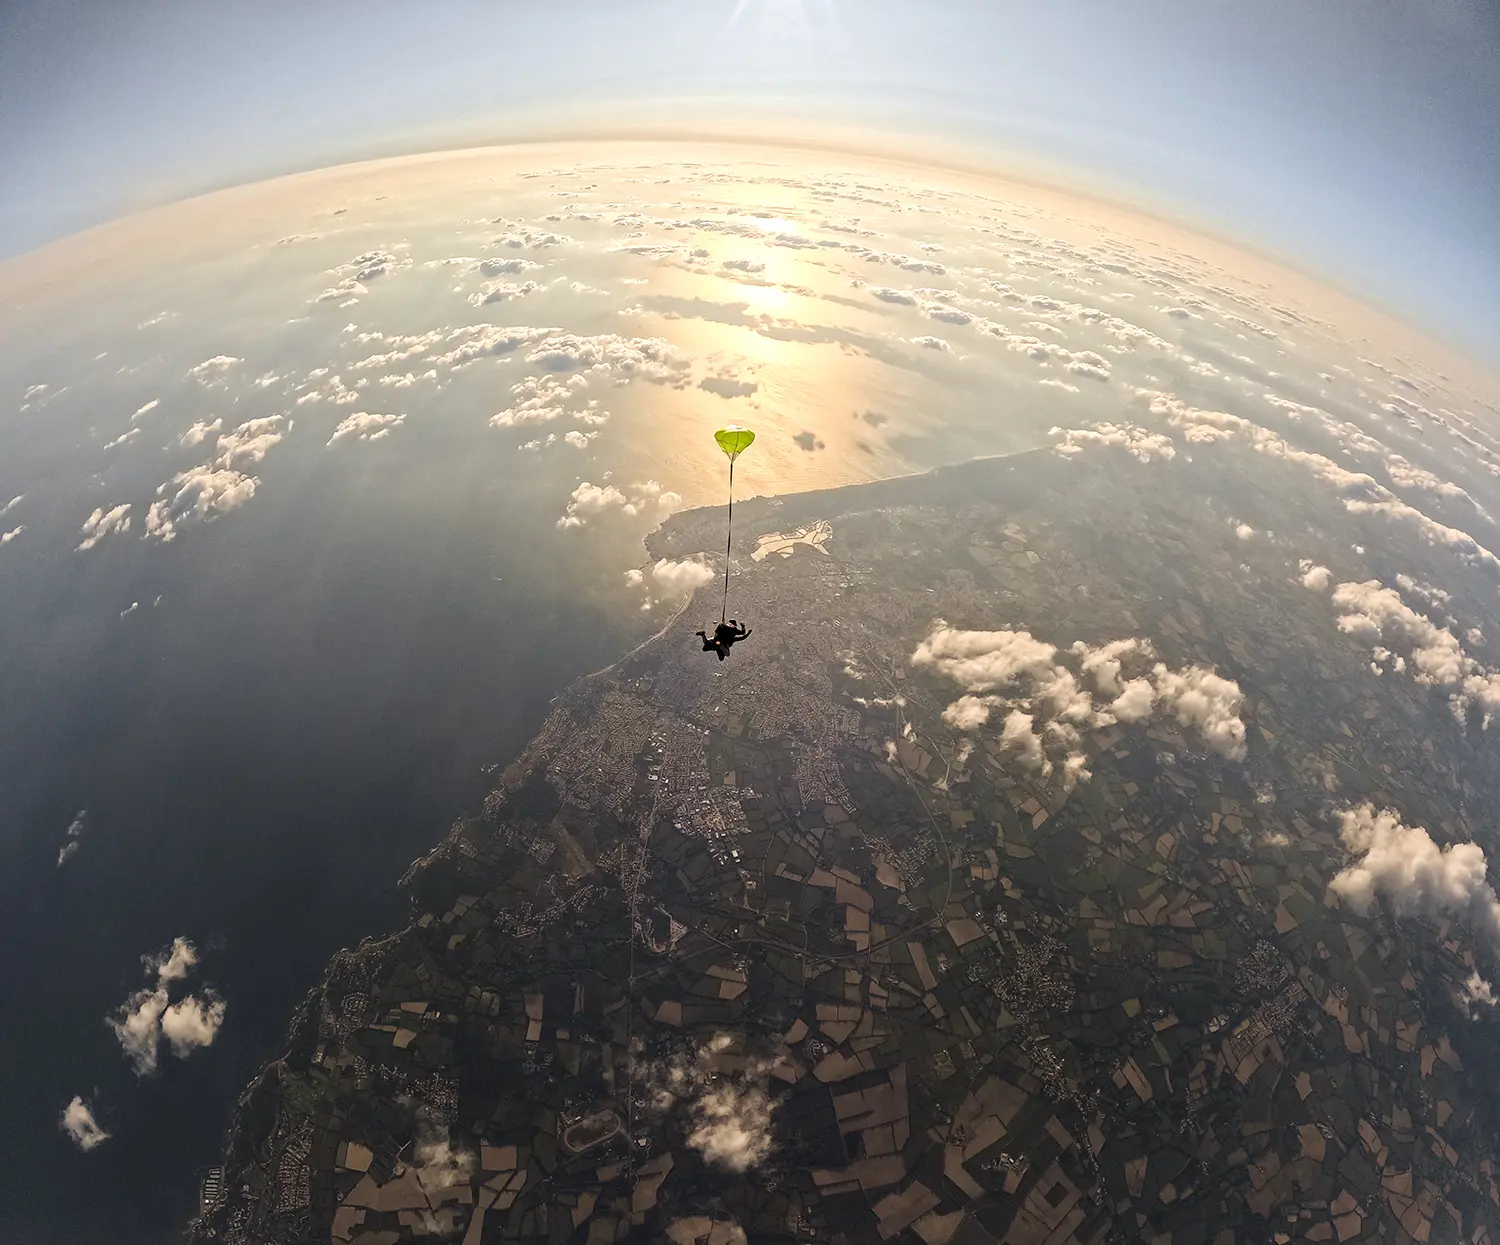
(307, 708)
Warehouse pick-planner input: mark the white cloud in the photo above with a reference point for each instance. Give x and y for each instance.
(527, 237)
(78, 1122)
(1244, 531)
(1133, 439)
(103, 523)
(539, 400)
(732, 1126)
(1433, 532)
(363, 426)
(623, 358)
(729, 1113)
(932, 343)
(1404, 641)
(249, 443)
(1018, 736)
(192, 1023)
(203, 492)
(634, 578)
(887, 295)
(1315, 578)
(743, 265)
(150, 406)
(580, 440)
(199, 431)
(72, 838)
(439, 1165)
(148, 1016)
(214, 371)
(1478, 993)
(589, 501)
(482, 341)
(175, 963)
(1200, 698)
(1376, 614)
(1016, 671)
(407, 379)
(968, 712)
(510, 265)
(1402, 864)
(501, 291)
(12, 504)
(137, 1026)
(7, 537)
(1360, 492)
(677, 579)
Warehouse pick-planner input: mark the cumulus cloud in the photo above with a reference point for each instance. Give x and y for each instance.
(1315, 578)
(1199, 698)
(148, 1016)
(146, 410)
(1244, 531)
(1477, 993)
(1360, 492)
(369, 266)
(250, 441)
(621, 358)
(192, 1023)
(72, 838)
(7, 537)
(932, 343)
(12, 504)
(214, 371)
(724, 1099)
(77, 1120)
(677, 579)
(1133, 439)
(1047, 703)
(505, 265)
(469, 344)
(1412, 873)
(1407, 642)
(199, 431)
(201, 493)
(438, 1165)
(103, 523)
(539, 400)
(501, 291)
(589, 501)
(363, 426)
(743, 265)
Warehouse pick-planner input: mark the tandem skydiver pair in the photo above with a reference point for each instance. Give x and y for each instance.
(734, 441)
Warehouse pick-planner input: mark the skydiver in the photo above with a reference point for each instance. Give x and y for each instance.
(725, 636)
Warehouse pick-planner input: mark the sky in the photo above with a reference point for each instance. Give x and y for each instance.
(1356, 138)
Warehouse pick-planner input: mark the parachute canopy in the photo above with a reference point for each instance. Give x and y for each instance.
(734, 440)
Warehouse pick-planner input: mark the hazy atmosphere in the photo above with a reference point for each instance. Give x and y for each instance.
(1086, 838)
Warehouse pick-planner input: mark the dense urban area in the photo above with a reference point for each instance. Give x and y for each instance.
(821, 943)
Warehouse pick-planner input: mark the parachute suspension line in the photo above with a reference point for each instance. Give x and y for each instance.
(728, 544)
